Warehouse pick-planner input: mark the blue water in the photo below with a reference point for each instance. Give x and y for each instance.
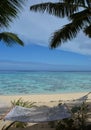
(18, 83)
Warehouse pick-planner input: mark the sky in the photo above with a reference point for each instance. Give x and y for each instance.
(36, 30)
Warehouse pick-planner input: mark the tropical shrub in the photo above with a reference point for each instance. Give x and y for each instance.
(77, 121)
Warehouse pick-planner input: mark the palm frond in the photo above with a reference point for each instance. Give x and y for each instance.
(8, 10)
(78, 11)
(82, 15)
(87, 31)
(10, 39)
(68, 32)
(58, 9)
(88, 3)
(81, 18)
(83, 3)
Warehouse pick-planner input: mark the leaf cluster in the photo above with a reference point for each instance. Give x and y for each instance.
(22, 103)
(78, 12)
(9, 10)
(10, 39)
(78, 120)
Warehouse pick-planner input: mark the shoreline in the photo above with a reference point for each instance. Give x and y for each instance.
(45, 93)
(6, 99)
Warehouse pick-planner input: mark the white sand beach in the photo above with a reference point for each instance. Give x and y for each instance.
(5, 100)
(47, 99)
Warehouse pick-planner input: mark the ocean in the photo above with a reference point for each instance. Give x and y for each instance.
(28, 82)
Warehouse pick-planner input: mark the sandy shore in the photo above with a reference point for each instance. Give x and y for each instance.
(47, 99)
(5, 100)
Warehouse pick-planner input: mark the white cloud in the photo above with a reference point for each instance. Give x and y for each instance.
(38, 28)
(81, 44)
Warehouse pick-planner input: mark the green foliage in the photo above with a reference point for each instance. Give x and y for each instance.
(80, 115)
(9, 10)
(65, 124)
(78, 120)
(21, 102)
(52, 124)
(10, 38)
(58, 9)
(78, 12)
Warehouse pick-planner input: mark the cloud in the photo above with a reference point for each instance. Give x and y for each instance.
(38, 28)
(81, 44)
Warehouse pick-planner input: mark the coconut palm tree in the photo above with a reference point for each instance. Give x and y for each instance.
(78, 13)
(8, 11)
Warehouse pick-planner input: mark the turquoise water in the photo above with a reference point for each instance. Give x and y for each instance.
(15, 82)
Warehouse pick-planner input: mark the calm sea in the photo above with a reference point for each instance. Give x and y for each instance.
(19, 82)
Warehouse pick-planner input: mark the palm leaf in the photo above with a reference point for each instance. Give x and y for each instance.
(82, 16)
(88, 3)
(81, 19)
(78, 11)
(8, 10)
(68, 32)
(84, 3)
(87, 31)
(58, 9)
(10, 38)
